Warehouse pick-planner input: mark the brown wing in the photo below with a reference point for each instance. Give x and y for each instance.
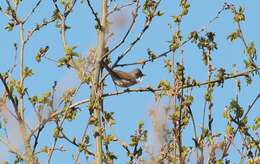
(112, 73)
(125, 76)
(116, 74)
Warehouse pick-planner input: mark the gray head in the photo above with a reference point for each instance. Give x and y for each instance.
(138, 73)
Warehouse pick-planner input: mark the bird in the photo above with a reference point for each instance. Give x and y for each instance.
(124, 79)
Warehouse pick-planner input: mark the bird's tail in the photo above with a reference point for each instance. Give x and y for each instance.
(109, 70)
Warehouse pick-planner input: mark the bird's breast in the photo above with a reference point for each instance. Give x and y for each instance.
(124, 83)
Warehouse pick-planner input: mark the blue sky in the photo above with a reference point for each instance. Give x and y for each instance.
(132, 107)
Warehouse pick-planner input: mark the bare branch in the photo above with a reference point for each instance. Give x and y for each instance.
(5, 109)
(70, 9)
(32, 11)
(37, 28)
(132, 44)
(138, 38)
(76, 144)
(164, 54)
(150, 89)
(95, 14)
(226, 148)
(56, 5)
(15, 58)
(57, 113)
(10, 95)
(134, 16)
(118, 8)
(37, 138)
(83, 141)
(10, 147)
(143, 62)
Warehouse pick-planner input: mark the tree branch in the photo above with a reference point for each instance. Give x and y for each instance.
(32, 11)
(134, 16)
(226, 148)
(164, 54)
(132, 44)
(150, 89)
(94, 13)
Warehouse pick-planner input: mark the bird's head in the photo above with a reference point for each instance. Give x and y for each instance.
(137, 73)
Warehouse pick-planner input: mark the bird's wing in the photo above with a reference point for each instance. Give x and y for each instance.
(110, 71)
(116, 74)
(125, 76)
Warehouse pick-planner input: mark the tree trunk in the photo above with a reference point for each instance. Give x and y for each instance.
(96, 99)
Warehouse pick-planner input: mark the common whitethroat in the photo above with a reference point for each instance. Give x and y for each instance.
(124, 79)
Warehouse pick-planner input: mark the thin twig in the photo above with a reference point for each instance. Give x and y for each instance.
(57, 113)
(56, 139)
(226, 148)
(10, 95)
(116, 8)
(56, 5)
(22, 44)
(164, 54)
(134, 16)
(15, 58)
(123, 144)
(138, 38)
(11, 148)
(37, 28)
(83, 140)
(59, 126)
(13, 12)
(3, 107)
(37, 138)
(66, 13)
(32, 11)
(94, 13)
(74, 143)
